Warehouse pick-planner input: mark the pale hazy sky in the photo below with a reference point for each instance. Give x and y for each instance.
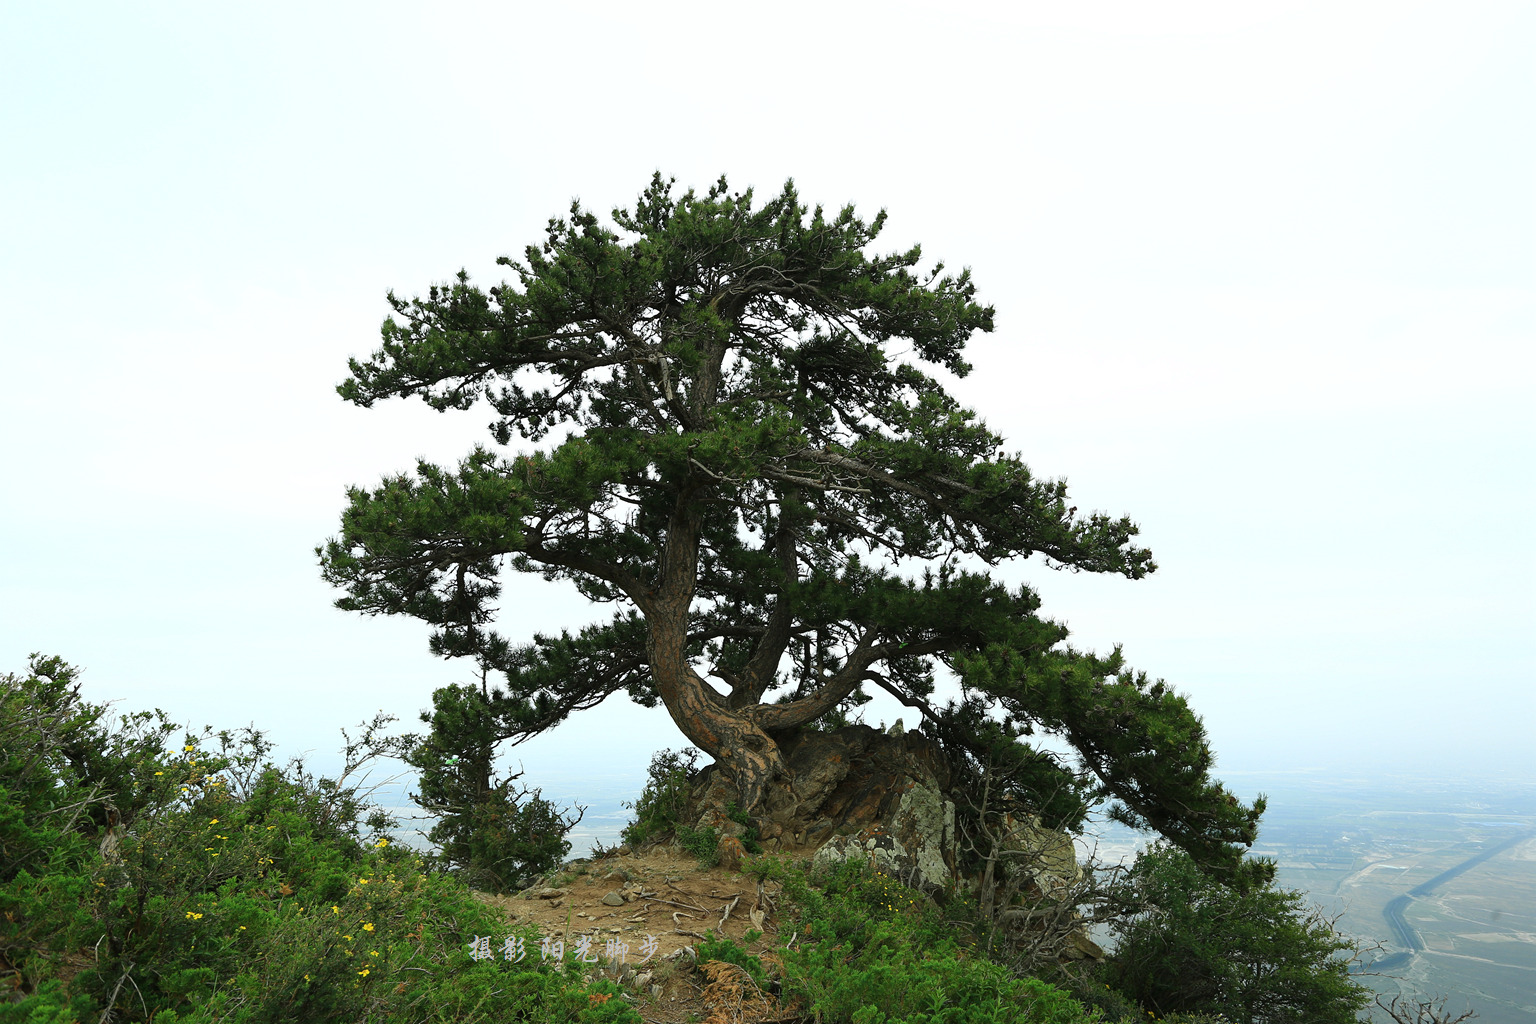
(1264, 278)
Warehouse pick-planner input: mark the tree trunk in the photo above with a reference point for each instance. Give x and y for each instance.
(748, 754)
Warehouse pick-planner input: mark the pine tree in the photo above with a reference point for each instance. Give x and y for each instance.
(747, 440)
(499, 838)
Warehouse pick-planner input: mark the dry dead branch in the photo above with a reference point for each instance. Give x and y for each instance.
(1405, 1010)
(732, 906)
(728, 1001)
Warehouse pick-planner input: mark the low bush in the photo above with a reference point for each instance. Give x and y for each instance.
(703, 843)
(869, 950)
(194, 886)
(1198, 946)
(659, 810)
(750, 839)
(727, 951)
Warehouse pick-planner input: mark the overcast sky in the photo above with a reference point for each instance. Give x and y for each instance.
(1263, 277)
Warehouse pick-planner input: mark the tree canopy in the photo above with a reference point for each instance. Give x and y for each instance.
(749, 437)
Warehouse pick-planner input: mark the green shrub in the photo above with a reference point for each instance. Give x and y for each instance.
(1093, 992)
(726, 950)
(503, 843)
(749, 841)
(660, 808)
(703, 843)
(49, 1004)
(659, 811)
(871, 950)
(242, 893)
(877, 973)
(65, 778)
(1198, 946)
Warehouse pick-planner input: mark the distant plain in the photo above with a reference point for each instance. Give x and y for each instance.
(1354, 843)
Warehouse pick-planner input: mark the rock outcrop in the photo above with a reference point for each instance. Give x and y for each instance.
(731, 853)
(856, 781)
(882, 798)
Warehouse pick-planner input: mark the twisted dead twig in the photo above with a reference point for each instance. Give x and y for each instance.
(670, 903)
(1403, 1010)
(106, 1015)
(720, 928)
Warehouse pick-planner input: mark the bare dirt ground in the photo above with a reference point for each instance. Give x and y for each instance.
(661, 896)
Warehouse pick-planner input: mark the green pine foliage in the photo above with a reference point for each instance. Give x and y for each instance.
(1257, 957)
(727, 951)
(752, 434)
(495, 838)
